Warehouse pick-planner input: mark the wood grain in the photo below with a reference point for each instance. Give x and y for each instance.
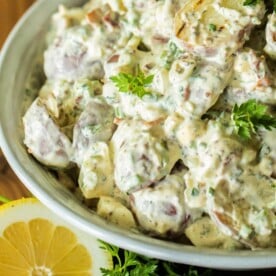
(10, 12)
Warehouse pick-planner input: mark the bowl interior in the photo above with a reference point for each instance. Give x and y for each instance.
(16, 61)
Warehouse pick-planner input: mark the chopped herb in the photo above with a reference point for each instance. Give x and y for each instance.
(94, 128)
(193, 145)
(211, 191)
(118, 113)
(128, 263)
(212, 27)
(195, 192)
(137, 85)
(28, 92)
(140, 179)
(4, 199)
(249, 117)
(251, 2)
(170, 55)
(143, 47)
(203, 144)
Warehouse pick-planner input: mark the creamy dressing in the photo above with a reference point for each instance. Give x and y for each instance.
(167, 163)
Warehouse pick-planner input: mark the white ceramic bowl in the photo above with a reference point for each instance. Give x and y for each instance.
(16, 59)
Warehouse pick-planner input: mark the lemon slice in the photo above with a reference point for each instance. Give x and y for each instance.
(34, 241)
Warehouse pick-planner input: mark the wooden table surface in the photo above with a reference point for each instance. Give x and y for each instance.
(10, 12)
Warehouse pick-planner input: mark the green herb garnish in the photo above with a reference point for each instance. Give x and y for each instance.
(135, 84)
(212, 27)
(128, 263)
(170, 55)
(249, 117)
(195, 192)
(250, 2)
(211, 191)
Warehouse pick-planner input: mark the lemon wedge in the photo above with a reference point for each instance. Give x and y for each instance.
(34, 241)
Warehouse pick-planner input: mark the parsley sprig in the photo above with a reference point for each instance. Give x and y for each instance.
(128, 263)
(135, 84)
(249, 117)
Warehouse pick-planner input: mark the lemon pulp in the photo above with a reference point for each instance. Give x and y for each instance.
(44, 245)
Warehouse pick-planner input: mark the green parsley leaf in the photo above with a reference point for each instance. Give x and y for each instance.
(130, 264)
(170, 269)
(250, 2)
(195, 192)
(249, 117)
(211, 191)
(192, 272)
(274, 5)
(137, 85)
(212, 27)
(171, 54)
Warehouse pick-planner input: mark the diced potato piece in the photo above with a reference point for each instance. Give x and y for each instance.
(44, 139)
(65, 100)
(251, 215)
(144, 158)
(160, 208)
(116, 5)
(270, 35)
(66, 18)
(114, 211)
(94, 124)
(198, 85)
(251, 79)
(69, 58)
(204, 233)
(96, 173)
(213, 27)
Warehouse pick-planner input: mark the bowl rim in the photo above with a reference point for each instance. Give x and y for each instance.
(205, 257)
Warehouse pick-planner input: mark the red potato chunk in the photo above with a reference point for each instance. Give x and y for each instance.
(69, 57)
(44, 139)
(214, 29)
(251, 79)
(94, 124)
(270, 35)
(140, 156)
(160, 209)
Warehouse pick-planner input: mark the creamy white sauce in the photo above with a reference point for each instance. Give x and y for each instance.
(160, 158)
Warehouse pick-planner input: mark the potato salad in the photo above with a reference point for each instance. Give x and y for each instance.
(160, 116)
